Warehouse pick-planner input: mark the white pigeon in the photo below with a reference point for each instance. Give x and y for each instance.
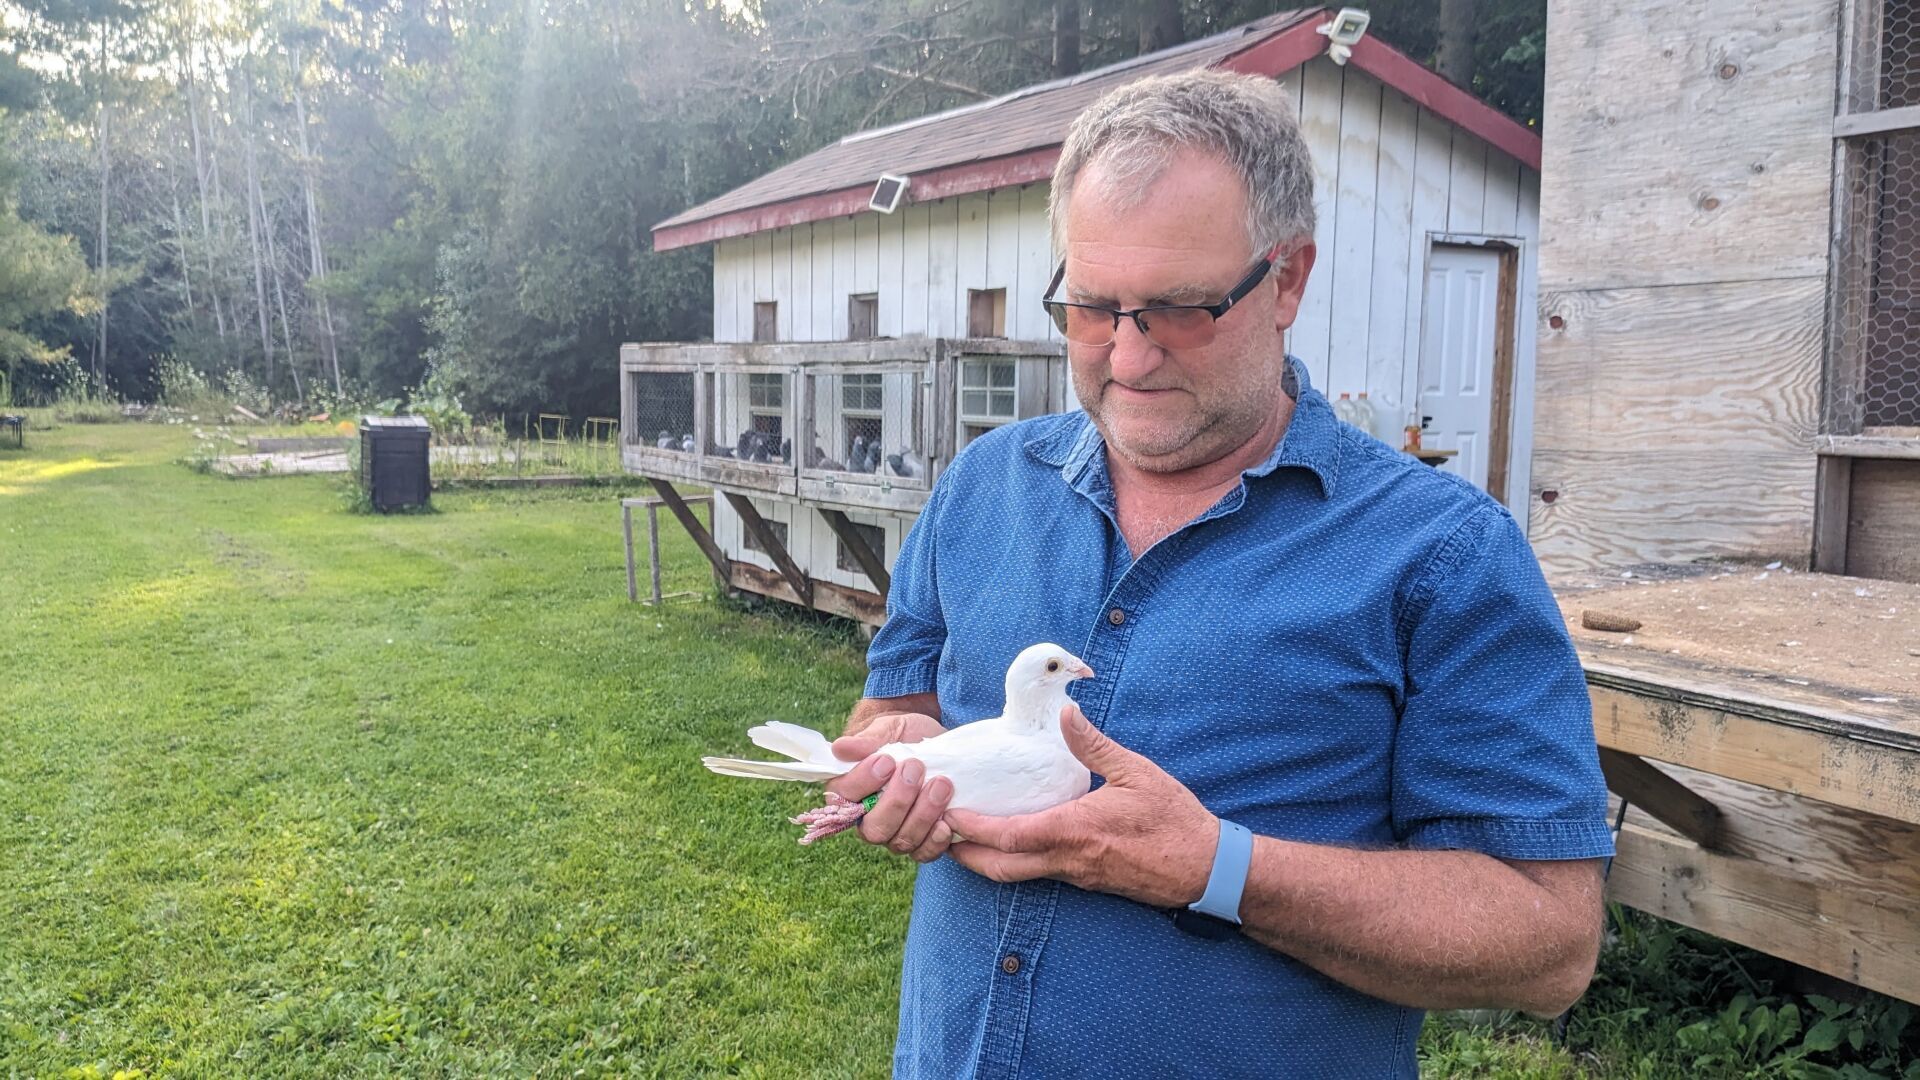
(1015, 763)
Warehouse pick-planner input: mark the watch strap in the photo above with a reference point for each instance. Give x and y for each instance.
(1232, 858)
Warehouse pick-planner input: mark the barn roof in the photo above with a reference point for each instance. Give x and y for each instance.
(1015, 138)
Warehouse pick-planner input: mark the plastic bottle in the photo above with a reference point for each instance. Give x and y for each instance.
(1343, 408)
(1363, 413)
(1386, 421)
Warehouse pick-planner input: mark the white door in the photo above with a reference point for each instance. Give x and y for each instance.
(1457, 341)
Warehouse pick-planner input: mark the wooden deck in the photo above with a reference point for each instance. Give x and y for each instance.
(1764, 725)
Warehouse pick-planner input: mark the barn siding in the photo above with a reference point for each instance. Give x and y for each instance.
(1684, 255)
(1391, 176)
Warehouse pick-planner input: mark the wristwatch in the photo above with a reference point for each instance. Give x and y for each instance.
(1216, 914)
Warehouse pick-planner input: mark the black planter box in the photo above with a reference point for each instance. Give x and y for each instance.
(394, 470)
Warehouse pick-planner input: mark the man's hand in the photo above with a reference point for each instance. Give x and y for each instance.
(1141, 835)
(907, 818)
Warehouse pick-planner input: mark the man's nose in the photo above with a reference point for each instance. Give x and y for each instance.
(1134, 355)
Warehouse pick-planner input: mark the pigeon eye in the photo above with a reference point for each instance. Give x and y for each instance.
(1053, 665)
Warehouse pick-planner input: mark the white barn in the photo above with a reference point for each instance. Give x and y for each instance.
(836, 325)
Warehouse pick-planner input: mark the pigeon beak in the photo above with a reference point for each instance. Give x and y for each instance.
(1080, 670)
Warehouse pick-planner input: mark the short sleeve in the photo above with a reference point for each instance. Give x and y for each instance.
(1495, 752)
(904, 657)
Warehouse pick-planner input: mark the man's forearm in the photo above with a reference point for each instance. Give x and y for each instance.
(1431, 929)
(868, 708)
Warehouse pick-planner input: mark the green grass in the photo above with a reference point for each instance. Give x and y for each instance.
(287, 790)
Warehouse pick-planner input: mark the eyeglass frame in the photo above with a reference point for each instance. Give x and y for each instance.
(1238, 293)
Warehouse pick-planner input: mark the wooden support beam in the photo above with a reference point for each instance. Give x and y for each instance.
(1831, 766)
(769, 543)
(692, 524)
(869, 560)
(857, 604)
(1662, 797)
(1832, 496)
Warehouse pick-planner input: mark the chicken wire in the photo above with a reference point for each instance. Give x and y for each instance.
(1886, 55)
(868, 423)
(662, 410)
(753, 417)
(1876, 303)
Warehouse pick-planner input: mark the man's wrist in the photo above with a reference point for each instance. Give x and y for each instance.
(1227, 876)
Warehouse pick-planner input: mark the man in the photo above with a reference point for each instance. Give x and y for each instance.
(1348, 759)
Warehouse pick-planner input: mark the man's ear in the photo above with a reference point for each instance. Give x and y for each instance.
(1290, 281)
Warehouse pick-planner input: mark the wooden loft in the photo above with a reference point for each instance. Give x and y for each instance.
(835, 427)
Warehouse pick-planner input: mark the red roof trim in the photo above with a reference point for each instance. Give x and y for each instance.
(1271, 56)
(1009, 171)
(1418, 82)
(1277, 54)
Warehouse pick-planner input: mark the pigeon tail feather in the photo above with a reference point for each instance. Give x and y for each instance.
(775, 770)
(798, 743)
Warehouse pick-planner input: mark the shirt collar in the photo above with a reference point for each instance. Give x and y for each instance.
(1311, 441)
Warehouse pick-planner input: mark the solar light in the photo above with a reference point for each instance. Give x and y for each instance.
(1344, 32)
(887, 193)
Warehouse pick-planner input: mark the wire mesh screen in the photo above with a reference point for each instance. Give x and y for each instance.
(1886, 55)
(868, 422)
(1876, 381)
(662, 403)
(751, 417)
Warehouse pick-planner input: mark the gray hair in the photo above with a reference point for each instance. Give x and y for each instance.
(1246, 120)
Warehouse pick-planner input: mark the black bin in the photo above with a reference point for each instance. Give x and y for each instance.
(393, 461)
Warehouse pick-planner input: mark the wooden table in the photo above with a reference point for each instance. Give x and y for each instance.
(1764, 728)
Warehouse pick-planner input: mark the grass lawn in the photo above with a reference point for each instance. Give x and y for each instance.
(291, 791)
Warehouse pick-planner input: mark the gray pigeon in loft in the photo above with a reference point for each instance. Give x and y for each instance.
(786, 451)
(759, 453)
(743, 446)
(905, 464)
(857, 458)
(874, 456)
(818, 459)
(665, 441)
(686, 443)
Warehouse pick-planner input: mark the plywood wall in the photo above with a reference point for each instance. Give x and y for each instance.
(1686, 183)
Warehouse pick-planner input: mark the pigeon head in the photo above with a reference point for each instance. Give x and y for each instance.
(1037, 682)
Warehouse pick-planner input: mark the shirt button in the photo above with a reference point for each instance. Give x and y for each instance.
(1010, 964)
(1116, 616)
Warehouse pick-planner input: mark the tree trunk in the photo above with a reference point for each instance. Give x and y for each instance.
(180, 241)
(1160, 25)
(100, 261)
(1456, 41)
(1066, 38)
(253, 222)
(200, 182)
(317, 264)
(280, 298)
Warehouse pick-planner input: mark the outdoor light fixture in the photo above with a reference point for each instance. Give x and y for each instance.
(887, 193)
(1344, 32)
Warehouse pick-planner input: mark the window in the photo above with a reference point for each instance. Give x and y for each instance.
(779, 530)
(987, 396)
(767, 403)
(1873, 359)
(766, 321)
(986, 313)
(863, 316)
(861, 397)
(876, 541)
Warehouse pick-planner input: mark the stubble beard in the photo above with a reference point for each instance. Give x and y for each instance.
(1208, 431)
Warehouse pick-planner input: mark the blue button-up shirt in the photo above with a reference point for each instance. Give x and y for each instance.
(1349, 648)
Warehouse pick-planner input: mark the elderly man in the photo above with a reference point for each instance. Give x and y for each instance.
(1348, 759)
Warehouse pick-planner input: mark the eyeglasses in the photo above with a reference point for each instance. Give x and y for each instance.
(1170, 326)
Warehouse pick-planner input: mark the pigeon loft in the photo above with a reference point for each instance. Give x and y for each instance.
(822, 452)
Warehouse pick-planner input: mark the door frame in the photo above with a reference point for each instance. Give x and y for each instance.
(1509, 439)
